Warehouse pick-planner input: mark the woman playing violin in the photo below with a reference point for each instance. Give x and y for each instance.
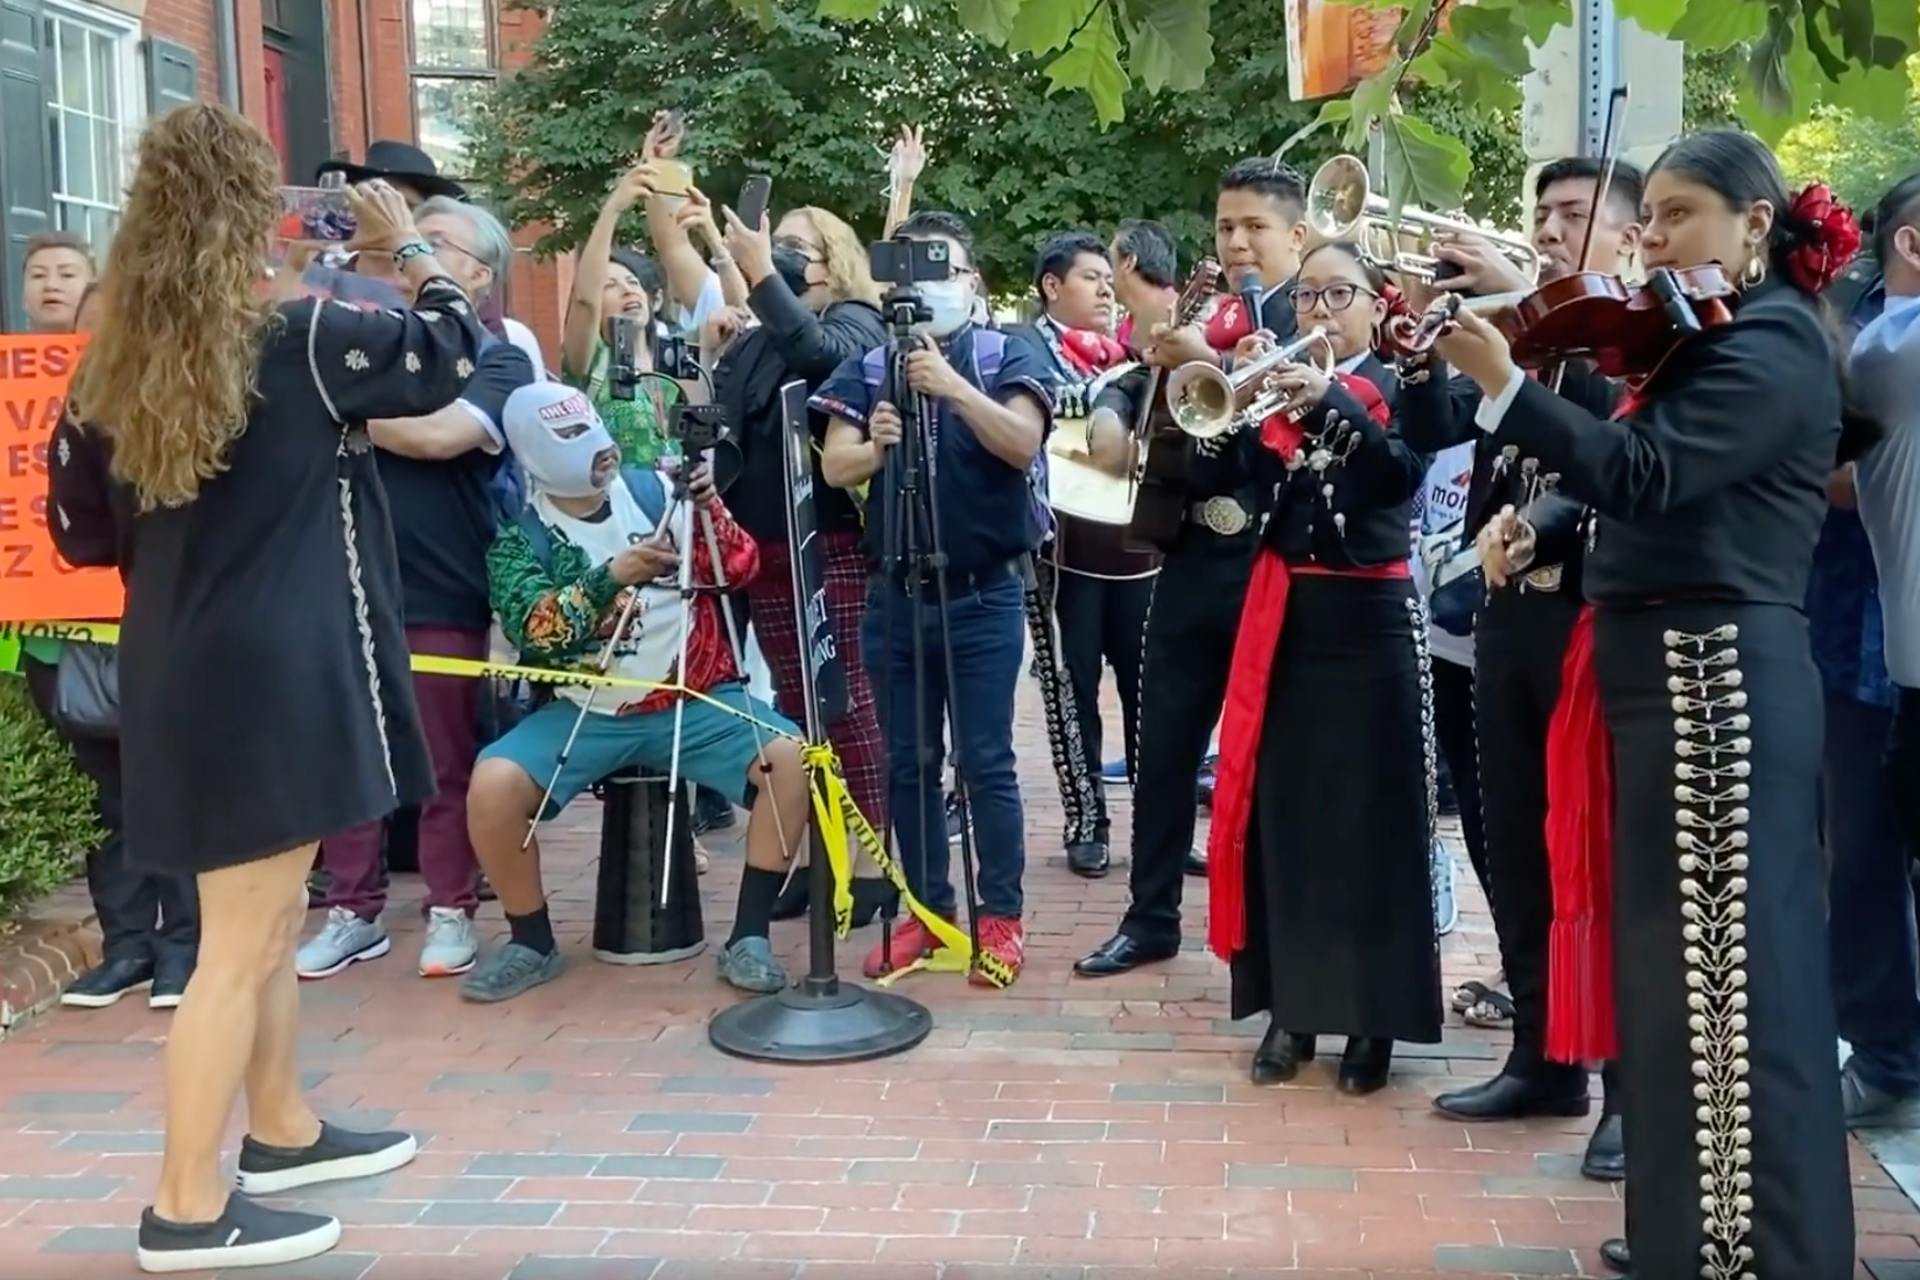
(1709, 489)
(1323, 806)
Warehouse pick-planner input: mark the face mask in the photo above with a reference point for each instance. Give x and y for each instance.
(792, 266)
(951, 302)
(558, 465)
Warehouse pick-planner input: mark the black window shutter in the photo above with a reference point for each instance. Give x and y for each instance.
(26, 173)
(173, 76)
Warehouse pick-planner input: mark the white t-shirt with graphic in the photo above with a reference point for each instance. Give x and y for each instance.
(1442, 502)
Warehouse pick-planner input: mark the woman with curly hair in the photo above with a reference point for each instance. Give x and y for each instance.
(265, 699)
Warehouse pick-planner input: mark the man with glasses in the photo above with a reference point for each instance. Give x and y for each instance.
(991, 400)
(440, 473)
(1194, 613)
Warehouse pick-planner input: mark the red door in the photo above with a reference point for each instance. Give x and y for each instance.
(276, 77)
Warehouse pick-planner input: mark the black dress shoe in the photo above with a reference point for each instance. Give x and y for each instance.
(1606, 1158)
(1365, 1065)
(1121, 954)
(1196, 863)
(107, 981)
(1280, 1054)
(170, 978)
(1089, 858)
(1509, 1096)
(1614, 1254)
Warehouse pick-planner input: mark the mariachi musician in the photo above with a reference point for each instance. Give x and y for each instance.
(1321, 893)
(1694, 662)
(1259, 231)
(1521, 631)
(1090, 594)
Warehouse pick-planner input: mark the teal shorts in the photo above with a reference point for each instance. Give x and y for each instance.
(717, 749)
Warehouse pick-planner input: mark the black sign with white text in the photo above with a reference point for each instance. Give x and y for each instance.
(823, 673)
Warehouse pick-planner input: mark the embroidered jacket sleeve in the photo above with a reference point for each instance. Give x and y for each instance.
(1381, 468)
(552, 616)
(79, 496)
(739, 553)
(392, 363)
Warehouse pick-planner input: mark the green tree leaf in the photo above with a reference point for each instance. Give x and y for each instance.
(994, 19)
(1332, 111)
(1169, 43)
(852, 10)
(1657, 15)
(1493, 36)
(1718, 24)
(1041, 26)
(1092, 63)
(1879, 93)
(1424, 167)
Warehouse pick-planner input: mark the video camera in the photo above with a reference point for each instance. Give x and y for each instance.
(698, 427)
(672, 357)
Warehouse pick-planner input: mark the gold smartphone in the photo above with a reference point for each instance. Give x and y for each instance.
(675, 177)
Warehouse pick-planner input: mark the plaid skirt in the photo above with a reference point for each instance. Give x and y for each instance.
(856, 735)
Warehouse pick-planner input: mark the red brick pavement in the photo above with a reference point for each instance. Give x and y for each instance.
(1061, 1129)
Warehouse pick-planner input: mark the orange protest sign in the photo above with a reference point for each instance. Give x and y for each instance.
(35, 582)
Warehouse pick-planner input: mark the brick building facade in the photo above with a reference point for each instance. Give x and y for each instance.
(80, 78)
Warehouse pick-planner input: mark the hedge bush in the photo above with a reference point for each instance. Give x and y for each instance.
(46, 804)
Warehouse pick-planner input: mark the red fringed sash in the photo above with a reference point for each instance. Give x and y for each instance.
(1243, 716)
(1580, 1012)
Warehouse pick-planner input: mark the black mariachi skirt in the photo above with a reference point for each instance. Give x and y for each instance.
(1738, 1159)
(1339, 889)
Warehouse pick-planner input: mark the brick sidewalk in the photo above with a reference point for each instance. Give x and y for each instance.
(1061, 1130)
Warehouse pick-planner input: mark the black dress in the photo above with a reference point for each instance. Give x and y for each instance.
(1711, 494)
(1338, 893)
(264, 688)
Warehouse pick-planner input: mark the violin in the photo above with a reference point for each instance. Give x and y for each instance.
(1627, 330)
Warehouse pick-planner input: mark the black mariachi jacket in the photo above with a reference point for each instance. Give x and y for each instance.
(1344, 498)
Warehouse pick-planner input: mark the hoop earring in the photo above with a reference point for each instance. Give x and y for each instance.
(1755, 272)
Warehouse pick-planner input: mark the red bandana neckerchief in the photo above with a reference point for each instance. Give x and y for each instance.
(1243, 716)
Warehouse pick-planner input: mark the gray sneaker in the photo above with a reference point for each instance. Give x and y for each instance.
(749, 965)
(346, 939)
(512, 970)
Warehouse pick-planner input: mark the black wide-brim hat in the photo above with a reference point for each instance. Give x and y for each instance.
(398, 162)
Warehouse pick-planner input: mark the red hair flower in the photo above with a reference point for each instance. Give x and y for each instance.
(1829, 237)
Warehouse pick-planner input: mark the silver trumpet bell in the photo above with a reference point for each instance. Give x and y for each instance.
(1342, 206)
(1205, 399)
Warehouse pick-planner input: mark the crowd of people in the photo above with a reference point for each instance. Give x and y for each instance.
(1677, 541)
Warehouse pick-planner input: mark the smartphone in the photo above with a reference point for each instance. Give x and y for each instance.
(675, 177)
(316, 213)
(752, 205)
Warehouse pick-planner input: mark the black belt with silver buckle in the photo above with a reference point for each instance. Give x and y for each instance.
(1222, 515)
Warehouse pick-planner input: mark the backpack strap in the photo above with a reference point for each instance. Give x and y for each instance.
(648, 490)
(989, 353)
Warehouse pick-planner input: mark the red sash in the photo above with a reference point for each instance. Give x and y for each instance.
(1581, 1021)
(1244, 714)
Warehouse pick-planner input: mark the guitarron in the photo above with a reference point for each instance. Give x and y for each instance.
(1166, 452)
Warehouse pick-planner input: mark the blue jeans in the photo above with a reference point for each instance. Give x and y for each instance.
(987, 623)
(1870, 902)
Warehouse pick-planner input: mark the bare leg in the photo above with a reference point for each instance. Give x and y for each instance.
(276, 1113)
(247, 936)
(784, 789)
(500, 803)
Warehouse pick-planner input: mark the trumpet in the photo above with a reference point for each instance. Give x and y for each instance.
(1204, 398)
(1341, 206)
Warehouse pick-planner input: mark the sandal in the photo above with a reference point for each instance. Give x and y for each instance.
(1494, 1011)
(1468, 994)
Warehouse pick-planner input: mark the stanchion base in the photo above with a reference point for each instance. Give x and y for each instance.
(852, 1024)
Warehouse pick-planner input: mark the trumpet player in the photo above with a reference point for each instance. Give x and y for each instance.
(1531, 545)
(1318, 855)
(1259, 226)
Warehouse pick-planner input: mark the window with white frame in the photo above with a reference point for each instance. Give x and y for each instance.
(453, 68)
(94, 111)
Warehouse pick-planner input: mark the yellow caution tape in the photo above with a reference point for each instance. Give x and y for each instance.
(833, 805)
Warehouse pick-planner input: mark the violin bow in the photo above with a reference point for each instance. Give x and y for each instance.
(1609, 158)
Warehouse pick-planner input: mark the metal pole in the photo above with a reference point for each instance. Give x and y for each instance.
(1598, 29)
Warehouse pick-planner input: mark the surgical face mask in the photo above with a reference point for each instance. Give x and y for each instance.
(556, 435)
(951, 302)
(792, 266)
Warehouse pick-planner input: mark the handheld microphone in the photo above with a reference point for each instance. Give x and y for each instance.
(1247, 284)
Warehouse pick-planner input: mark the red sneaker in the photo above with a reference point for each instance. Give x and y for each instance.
(1002, 938)
(911, 940)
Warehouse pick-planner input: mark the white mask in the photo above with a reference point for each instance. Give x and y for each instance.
(951, 302)
(556, 434)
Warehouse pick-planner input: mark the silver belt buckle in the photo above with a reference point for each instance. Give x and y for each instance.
(1547, 579)
(1223, 516)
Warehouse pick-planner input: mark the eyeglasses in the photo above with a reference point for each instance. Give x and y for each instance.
(1338, 296)
(441, 242)
(800, 247)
